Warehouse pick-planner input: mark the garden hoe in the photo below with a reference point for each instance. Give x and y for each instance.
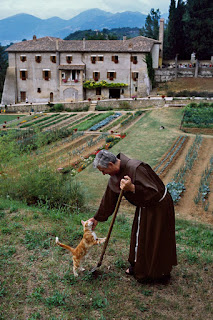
(109, 233)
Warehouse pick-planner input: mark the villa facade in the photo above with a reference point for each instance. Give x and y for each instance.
(55, 70)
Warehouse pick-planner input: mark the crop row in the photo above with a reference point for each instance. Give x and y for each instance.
(85, 125)
(51, 123)
(176, 186)
(33, 122)
(204, 189)
(171, 154)
(115, 123)
(105, 121)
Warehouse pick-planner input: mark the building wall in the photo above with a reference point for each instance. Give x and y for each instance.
(71, 91)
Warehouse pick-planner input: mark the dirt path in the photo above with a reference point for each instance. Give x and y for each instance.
(179, 161)
(186, 205)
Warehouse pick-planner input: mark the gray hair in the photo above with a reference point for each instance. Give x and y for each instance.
(103, 158)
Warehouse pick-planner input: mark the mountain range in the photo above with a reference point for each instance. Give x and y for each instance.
(24, 26)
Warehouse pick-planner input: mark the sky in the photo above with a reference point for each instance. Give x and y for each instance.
(67, 9)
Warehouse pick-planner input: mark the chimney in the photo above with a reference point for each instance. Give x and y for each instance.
(84, 43)
(34, 38)
(161, 35)
(124, 38)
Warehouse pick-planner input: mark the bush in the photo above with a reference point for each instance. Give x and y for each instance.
(100, 108)
(42, 185)
(124, 105)
(57, 108)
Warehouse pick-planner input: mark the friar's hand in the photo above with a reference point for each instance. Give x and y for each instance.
(126, 184)
(95, 222)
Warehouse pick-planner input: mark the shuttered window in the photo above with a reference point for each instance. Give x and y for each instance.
(96, 75)
(38, 58)
(23, 74)
(111, 75)
(69, 59)
(46, 75)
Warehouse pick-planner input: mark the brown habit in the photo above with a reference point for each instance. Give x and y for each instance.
(153, 245)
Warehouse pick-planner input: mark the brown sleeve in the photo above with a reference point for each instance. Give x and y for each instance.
(107, 205)
(148, 188)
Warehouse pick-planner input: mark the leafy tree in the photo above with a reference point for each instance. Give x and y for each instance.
(198, 28)
(3, 68)
(151, 29)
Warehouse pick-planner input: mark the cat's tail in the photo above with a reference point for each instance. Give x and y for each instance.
(64, 245)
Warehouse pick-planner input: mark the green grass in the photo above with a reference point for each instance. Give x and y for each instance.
(144, 141)
(8, 117)
(37, 280)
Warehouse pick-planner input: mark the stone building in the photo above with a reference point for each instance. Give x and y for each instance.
(54, 70)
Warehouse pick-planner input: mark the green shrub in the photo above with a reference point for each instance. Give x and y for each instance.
(42, 185)
(57, 107)
(124, 105)
(102, 108)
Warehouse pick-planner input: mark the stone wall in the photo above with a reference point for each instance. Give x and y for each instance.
(168, 74)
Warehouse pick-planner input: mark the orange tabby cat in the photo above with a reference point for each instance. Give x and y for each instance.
(89, 239)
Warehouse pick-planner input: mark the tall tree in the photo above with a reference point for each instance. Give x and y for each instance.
(3, 68)
(179, 26)
(151, 29)
(198, 28)
(170, 41)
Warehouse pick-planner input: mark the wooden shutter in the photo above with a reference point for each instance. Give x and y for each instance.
(108, 75)
(113, 58)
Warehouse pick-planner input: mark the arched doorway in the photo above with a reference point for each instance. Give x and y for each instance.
(70, 94)
(51, 96)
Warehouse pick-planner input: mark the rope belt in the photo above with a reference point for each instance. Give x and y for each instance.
(165, 192)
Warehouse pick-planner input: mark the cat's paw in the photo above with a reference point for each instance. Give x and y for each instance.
(56, 240)
(82, 269)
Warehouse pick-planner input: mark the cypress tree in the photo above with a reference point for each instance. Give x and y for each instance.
(198, 28)
(170, 50)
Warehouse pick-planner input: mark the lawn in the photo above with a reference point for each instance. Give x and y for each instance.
(6, 117)
(37, 280)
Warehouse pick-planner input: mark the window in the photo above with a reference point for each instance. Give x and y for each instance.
(69, 59)
(38, 58)
(134, 59)
(96, 75)
(136, 89)
(23, 58)
(23, 74)
(93, 59)
(111, 75)
(135, 76)
(23, 96)
(115, 59)
(39, 90)
(98, 91)
(46, 75)
(100, 58)
(53, 59)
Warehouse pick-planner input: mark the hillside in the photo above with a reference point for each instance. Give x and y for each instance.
(39, 274)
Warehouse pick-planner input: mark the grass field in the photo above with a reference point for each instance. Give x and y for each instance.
(37, 280)
(7, 117)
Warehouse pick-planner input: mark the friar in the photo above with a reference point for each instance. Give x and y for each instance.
(152, 245)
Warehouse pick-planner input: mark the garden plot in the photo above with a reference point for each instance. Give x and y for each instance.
(171, 156)
(198, 118)
(69, 148)
(187, 205)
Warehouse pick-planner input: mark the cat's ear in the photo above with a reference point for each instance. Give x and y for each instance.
(83, 222)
